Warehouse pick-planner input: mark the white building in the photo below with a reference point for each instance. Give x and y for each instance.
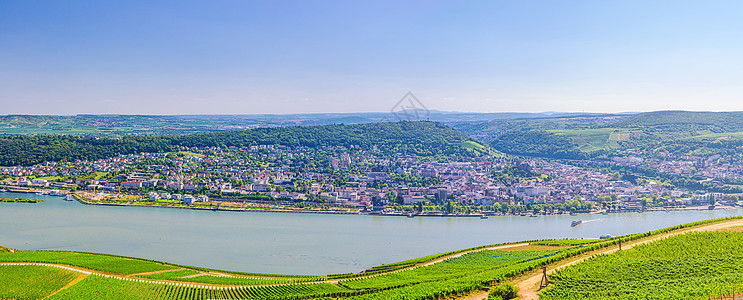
(152, 196)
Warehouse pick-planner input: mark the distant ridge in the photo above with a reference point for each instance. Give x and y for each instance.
(723, 120)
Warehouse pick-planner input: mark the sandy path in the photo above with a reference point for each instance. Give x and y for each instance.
(153, 272)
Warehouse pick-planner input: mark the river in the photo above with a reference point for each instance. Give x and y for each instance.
(289, 243)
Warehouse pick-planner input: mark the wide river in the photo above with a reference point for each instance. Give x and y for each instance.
(289, 243)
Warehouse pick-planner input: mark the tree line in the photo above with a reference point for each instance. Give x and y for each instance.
(420, 138)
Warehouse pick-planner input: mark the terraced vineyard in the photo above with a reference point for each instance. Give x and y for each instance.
(693, 265)
(688, 266)
(101, 287)
(194, 276)
(99, 262)
(32, 282)
(456, 267)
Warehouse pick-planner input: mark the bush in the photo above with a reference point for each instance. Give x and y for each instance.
(503, 291)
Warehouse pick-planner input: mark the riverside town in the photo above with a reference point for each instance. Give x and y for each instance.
(350, 180)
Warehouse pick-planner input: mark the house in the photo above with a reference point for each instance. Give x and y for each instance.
(39, 182)
(260, 187)
(188, 199)
(150, 183)
(152, 196)
(409, 199)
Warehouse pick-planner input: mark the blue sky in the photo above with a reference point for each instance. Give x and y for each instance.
(243, 57)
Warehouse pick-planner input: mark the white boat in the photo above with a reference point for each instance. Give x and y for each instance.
(69, 197)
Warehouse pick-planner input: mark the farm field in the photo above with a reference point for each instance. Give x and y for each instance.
(589, 140)
(32, 282)
(691, 266)
(98, 262)
(101, 287)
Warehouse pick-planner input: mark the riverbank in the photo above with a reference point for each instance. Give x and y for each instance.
(83, 200)
(483, 215)
(20, 200)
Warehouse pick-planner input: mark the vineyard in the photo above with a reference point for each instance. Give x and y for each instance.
(99, 262)
(32, 282)
(102, 287)
(457, 267)
(688, 266)
(225, 280)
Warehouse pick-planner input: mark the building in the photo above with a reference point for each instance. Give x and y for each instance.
(152, 196)
(429, 173)
(188, 199)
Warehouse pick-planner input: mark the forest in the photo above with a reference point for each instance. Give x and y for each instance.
(418, 138)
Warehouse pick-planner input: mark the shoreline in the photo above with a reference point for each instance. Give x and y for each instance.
(85, 201)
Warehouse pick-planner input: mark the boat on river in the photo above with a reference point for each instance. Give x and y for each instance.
(69, 197)
(576, 223)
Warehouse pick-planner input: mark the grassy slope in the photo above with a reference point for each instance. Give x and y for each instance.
(468, 272)
(594, 139)
(692, 265)
(644, 129)
(32, 282)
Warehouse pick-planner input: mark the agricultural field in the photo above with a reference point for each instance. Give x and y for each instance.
(32, 282)
(589, 140)
(696, 264)
(461, 266)
(193, 276)
(688, 266)
(98, 262)
(101, 287)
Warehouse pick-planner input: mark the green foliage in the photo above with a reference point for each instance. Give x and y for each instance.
(100, 262)
(514, 173)
(691, 265)
(566, 242)
(537, 143)
(171, 275)
(419, 138)
(32, 282)
(236, 280)
(503, 291)
(99, 287)
(21, 200)
(471, 263)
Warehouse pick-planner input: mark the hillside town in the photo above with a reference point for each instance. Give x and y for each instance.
(368, 180)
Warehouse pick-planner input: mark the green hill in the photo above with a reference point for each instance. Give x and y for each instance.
(419, 138)
(687, 132)
(728, 121)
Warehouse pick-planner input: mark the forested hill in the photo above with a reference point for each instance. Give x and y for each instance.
(715, 121)
(420, 138)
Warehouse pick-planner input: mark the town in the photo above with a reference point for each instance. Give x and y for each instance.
(352, 180)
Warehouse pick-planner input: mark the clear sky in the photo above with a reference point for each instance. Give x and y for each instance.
(244, 57)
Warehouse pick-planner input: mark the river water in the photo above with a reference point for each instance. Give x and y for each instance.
(289, 243)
